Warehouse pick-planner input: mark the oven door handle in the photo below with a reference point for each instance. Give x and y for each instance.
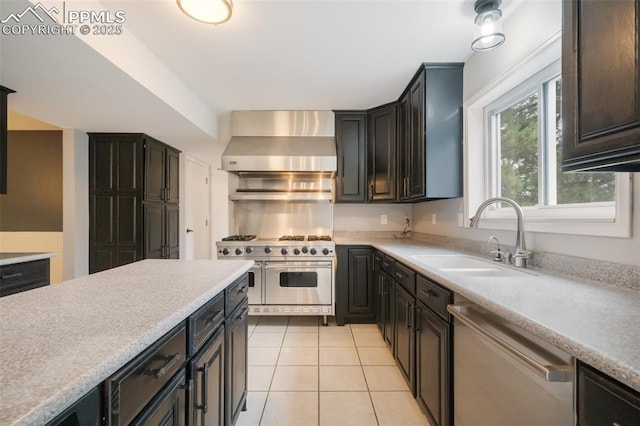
(290, 266)
(550, 373)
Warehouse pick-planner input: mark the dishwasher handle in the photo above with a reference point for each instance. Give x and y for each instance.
(550, 373)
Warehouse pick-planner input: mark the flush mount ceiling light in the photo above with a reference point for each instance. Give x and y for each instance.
(488, 33)
(207, 11)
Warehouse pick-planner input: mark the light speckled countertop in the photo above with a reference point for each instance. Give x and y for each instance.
(597, 324)
(58, 342)
(12, 258)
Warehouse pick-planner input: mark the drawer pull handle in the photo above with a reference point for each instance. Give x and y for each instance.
(430, 293)
(399, 275)
(159, 372)
(242, 289)
(213, 318)
(16, 275)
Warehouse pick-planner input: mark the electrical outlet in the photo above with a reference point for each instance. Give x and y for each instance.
(383, 219)
(433, 218)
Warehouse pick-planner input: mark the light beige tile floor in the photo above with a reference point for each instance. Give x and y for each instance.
(301, 373)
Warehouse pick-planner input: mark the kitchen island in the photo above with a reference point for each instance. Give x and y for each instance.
(59, 342)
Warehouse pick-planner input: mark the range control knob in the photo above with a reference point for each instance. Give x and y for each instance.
(267, 250)
(296, 251)
(238, 251)
(225, 251)
(313, 251)
(249, 250)
(305, 250)
(284, 251)
(325, 251)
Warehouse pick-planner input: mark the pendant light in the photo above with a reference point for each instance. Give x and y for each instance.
(207, 11)
(488, 33)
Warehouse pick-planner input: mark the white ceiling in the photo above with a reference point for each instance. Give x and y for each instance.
(297, 54)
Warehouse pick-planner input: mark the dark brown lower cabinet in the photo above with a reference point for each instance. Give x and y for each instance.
(433, 366)
(237, 335)
(388, 306)
(601, 400)
(356, 296)
(24, 276)
(161, 231)
(404, 335)
(207, 372)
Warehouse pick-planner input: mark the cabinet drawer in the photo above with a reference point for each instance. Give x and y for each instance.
(602, 400)
(405, 277)
(23, 276)
(204, 322)
(236, 293)
(434, 296)
(136, 384)
(388, 264)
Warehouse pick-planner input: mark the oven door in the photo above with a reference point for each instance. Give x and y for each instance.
(255, 293)
(298, 283)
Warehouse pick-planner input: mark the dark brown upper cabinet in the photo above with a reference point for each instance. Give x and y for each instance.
(161, 172)
(351, 144)
(4, 93)
(430, 134)
(381, 153)
(601, 85)
(133, 196)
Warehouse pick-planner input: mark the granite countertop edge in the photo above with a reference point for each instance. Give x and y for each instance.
(64, 396)
(13, 258)
(590, 348)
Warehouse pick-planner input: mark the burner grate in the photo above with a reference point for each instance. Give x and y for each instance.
(292, 238)
(319, 238)
(239, 238)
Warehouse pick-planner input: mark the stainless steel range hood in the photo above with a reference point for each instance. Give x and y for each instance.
(281, 142)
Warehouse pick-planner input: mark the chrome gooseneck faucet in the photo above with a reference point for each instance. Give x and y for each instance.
(521, 255)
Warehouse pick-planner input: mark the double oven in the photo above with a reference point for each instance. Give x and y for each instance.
(292, 275)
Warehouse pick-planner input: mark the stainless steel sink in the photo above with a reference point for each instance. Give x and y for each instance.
(468, 266)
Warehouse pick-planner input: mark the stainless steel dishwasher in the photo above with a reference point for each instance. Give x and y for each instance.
(504, 375)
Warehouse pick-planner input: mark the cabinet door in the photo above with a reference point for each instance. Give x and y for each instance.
(361, 292)
(404, 158)
(389, 304)
(351, 141)
(377, 276)
(601, 104)
(236, 364)
(208, 374)
(115, 200)
(433, 371)
(4, 92)
(154, 170)
(173, 176)
(404, 334)
(172, 239)
(600, 400)
(416, 142)
(382, 153)
(154, 231)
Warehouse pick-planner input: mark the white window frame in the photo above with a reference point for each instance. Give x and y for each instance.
(611, 219)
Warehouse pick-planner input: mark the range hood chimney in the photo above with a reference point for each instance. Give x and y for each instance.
(281, 142)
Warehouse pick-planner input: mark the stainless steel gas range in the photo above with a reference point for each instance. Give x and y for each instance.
(292, 275)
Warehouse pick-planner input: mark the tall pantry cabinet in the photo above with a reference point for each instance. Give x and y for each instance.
(133, 200)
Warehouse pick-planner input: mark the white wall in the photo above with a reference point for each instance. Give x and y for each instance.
(366, 217)
(75, 203)
(529, 27)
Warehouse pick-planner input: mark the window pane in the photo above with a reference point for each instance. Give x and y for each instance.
(519, 151)
(579, 187)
